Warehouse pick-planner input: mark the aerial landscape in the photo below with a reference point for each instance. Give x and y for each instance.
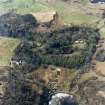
(52, 52)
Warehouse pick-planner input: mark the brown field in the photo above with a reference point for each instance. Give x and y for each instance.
(59, 79)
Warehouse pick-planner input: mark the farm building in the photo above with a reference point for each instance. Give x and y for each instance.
(97, 1)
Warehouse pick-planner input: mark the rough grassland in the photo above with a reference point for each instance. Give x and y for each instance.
(69, 13)
(7, 46)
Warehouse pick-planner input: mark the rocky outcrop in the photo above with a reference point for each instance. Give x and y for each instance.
(63, 99)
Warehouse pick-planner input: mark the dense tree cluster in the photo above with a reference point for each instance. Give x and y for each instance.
(19, 91)
(59, 44)
(57, 48)
(28, 59)
(16, 25)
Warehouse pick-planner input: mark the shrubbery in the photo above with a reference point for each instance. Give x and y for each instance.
(100, 55)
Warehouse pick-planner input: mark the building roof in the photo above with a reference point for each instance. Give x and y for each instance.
(44, 16)
(96, 1)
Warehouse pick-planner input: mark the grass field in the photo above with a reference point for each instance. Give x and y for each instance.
(7, 46)
(74, 14)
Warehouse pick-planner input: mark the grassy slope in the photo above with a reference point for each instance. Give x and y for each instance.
(25, 6)
(73, 13)
(7, 46)
(69, 13)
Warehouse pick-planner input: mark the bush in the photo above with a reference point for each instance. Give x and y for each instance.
(100, 56)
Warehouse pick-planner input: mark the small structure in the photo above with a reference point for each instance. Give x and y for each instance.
(58, 71)
(101, 93)
(76, 41)
(79, 41)
(47, 18)
(97, 1)
(99, 45)
(14, 62)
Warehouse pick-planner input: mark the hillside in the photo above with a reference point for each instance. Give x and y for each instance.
(52, 52)
(75, 13)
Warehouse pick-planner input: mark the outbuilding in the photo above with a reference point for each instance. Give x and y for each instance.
(97, 1)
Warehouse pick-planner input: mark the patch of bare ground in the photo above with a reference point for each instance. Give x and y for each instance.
(55, 78)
